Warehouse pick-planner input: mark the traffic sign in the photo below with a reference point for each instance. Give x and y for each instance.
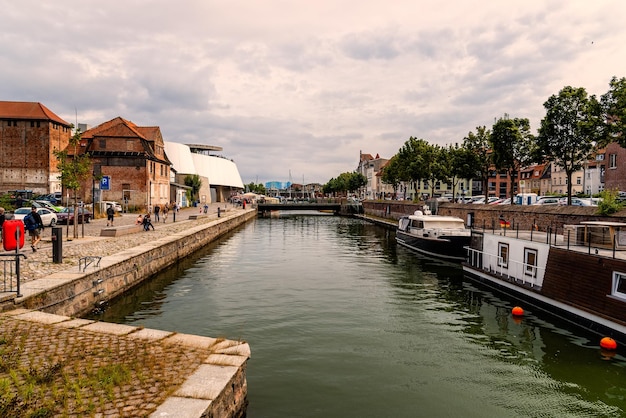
(105, 183)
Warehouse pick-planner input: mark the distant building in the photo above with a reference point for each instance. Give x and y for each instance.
(29, 135)
(219, 176)
(615, 162)
(369, 167)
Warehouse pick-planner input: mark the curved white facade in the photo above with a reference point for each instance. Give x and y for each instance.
(220, 171)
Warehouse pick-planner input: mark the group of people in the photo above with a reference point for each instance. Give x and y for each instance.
(160, 213)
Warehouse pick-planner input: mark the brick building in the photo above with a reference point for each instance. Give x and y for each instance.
(615, 167)
(29, 135)
(132, 161)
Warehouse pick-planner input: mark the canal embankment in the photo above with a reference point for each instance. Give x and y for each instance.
(149, 372)
(541, 218)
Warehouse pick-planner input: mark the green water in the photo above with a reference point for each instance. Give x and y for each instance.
(344, 323)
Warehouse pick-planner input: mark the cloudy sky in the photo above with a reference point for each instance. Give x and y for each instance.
(301, 87)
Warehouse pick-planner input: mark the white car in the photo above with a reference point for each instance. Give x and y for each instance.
(105, 205)
(48, 217)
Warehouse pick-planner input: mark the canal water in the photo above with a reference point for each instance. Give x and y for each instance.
(342, 322)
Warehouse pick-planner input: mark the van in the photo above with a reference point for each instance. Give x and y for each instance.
(525, 198)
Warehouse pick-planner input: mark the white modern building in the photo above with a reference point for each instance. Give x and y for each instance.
(219, 176)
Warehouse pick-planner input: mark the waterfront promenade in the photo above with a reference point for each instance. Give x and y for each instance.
(89, 368)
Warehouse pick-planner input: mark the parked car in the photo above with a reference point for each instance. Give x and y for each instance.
(104, 205)
(48, 204)
(547, 201)
(575, 202)
(48, 216)
(67, 215)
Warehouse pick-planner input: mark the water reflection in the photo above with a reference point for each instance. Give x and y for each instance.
(343, 322)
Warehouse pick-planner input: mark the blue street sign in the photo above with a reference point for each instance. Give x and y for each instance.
(105, 183)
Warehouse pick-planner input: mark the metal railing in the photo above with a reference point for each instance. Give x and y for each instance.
(11, 273)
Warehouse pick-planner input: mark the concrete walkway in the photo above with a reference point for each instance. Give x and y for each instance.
(39, 264)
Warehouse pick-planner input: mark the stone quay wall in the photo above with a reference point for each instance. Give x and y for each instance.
(489, 216)
(77, 293)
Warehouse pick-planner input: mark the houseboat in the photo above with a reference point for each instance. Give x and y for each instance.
(438, 236)
(579, 275)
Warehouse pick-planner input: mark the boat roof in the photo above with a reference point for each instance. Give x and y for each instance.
(603, 223)
(438, 218)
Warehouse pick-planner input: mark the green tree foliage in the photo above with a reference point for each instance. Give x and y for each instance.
(512, 146)
(414, 158)
(256, 188)
(346, 182)
(613, 105)
(193, 181)
(478, 156)
(391, 173)
(75, 168)
(609, 203)
(460, 161)
(570, 130)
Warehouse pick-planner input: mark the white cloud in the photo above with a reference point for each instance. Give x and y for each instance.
(304, 86)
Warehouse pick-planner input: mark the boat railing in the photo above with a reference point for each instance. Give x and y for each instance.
(527, 274)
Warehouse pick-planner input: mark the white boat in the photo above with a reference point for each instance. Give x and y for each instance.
(579, 276)
(438, 236)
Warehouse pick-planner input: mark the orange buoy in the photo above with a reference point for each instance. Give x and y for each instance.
(517, 311)
(608, 343)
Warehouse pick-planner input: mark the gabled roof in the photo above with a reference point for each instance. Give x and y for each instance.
(28, 111)
(117, 127)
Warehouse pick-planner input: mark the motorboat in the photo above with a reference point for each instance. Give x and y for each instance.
(438, 236)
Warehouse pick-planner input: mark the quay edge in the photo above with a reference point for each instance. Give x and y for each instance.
(73, 293)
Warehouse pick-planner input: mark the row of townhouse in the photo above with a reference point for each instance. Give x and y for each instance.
(605, 171)
(129, 163)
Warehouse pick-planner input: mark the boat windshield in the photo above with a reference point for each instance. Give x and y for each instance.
(448, 224)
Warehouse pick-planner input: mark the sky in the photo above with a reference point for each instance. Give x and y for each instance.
(294, 90)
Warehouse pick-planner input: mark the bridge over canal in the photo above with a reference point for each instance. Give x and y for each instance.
(269, 207)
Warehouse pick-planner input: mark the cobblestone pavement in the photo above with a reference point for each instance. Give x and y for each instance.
(39, 264)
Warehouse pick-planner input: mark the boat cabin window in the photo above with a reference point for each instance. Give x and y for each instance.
(530, 262)
(619, 285)
(503, 255)
(417, 224)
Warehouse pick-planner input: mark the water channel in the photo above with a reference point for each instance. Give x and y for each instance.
(344, 323)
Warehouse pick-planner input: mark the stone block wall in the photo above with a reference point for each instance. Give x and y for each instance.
(488, 216)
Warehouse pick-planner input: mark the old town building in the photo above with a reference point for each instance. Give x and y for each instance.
(30, 133)
(129, 164)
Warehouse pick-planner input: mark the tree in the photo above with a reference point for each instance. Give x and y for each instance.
(414, 157)
(256, 188)
(613, 105)
(391, 173)
(461, 163)
(512, 147)
(478, 157)
(74, 168)
(570, 130)
(193, 181)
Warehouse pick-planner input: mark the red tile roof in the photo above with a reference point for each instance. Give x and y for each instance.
(28, 111)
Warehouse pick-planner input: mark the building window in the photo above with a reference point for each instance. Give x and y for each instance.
(612, 160)
(578, 180)
(103, 143)
(129, 145)
(530, 262)
(503, 255)
(619, 285)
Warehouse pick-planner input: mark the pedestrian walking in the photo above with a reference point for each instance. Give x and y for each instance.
(157, 209)
(165, 211)
(34, 225)
(110, 215)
